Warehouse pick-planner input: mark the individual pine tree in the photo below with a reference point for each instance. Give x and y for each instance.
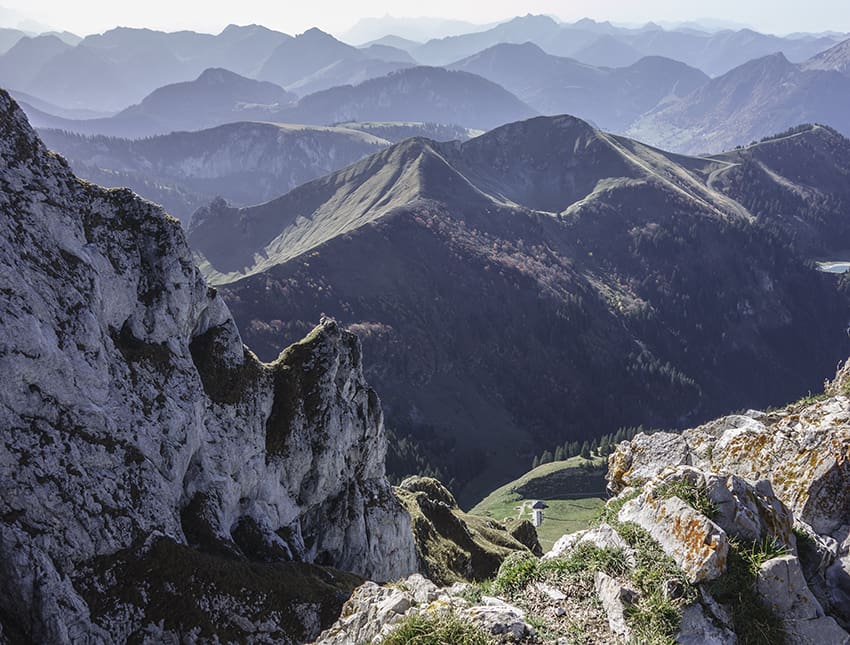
(559, 453)
(535, 462)
(546, 457)
(585, 450)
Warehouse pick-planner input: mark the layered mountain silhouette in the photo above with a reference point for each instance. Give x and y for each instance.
(417, 94)
(315, 61)
(109, 71)
(755, 100)
(547, 281)
(216, 97)
(9, 37)
(611, 98)
(245, 163)
(603, 44)
(427, 94)
(834, 59)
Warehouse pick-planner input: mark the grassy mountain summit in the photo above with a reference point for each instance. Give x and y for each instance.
(546, 281)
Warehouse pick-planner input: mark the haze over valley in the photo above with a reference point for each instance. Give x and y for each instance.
(337, 326)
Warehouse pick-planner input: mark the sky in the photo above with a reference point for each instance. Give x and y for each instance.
(336, 16)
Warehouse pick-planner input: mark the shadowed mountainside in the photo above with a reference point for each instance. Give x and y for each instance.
(547, 281)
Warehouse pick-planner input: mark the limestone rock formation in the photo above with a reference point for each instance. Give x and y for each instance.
(135, 422)
(782, 476)
(373, 611)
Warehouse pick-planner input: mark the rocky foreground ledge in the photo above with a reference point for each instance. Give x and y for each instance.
(732, 532)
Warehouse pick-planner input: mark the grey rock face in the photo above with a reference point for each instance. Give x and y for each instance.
(130, 407)
(616, 599)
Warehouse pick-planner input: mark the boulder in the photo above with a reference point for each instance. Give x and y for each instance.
(642, 458)
(373, 611)
(700, 627)
(804, 454)
(697, 545)
(750, 512)
(499, 618)
(784, 590)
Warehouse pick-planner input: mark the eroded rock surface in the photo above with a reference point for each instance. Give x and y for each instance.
(373, 611)
(782, 476)
(130, 408)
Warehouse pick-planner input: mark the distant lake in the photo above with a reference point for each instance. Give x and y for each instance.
(834, 266)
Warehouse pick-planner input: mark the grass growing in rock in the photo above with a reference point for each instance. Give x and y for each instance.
(523, 577)
(521, 569)
(694, 494)
(435, 629)
(664, 588)
(753, 622)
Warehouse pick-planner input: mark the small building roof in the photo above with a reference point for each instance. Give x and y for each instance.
(538, 505)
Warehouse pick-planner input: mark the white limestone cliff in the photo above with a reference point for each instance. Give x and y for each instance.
(131, 411)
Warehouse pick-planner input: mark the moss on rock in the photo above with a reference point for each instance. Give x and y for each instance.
(451, 545)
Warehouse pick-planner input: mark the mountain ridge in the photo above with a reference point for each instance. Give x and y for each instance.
(757, 99)
(578, 246)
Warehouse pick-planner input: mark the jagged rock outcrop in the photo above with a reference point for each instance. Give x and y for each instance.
(135, 422)
(453, 546)
(783, 475)
(372, 612)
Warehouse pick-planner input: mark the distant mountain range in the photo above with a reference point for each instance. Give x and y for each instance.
(412, 29)
(216, 97)
(548, 281)
(246, 163)
(611, 98)
(315, 61)
(111, 71)
(603, 44)
(415, 94)
(755, 100)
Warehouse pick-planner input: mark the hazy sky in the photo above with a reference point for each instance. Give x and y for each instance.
(88, 16)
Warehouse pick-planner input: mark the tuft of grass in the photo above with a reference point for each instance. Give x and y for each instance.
(609, 512)
(521, 569)
(694, 494)
(587, 557)
(756, 554)
(516, 573)
(477, 590)
(436, 629)
(654, 620)
(754, 623)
